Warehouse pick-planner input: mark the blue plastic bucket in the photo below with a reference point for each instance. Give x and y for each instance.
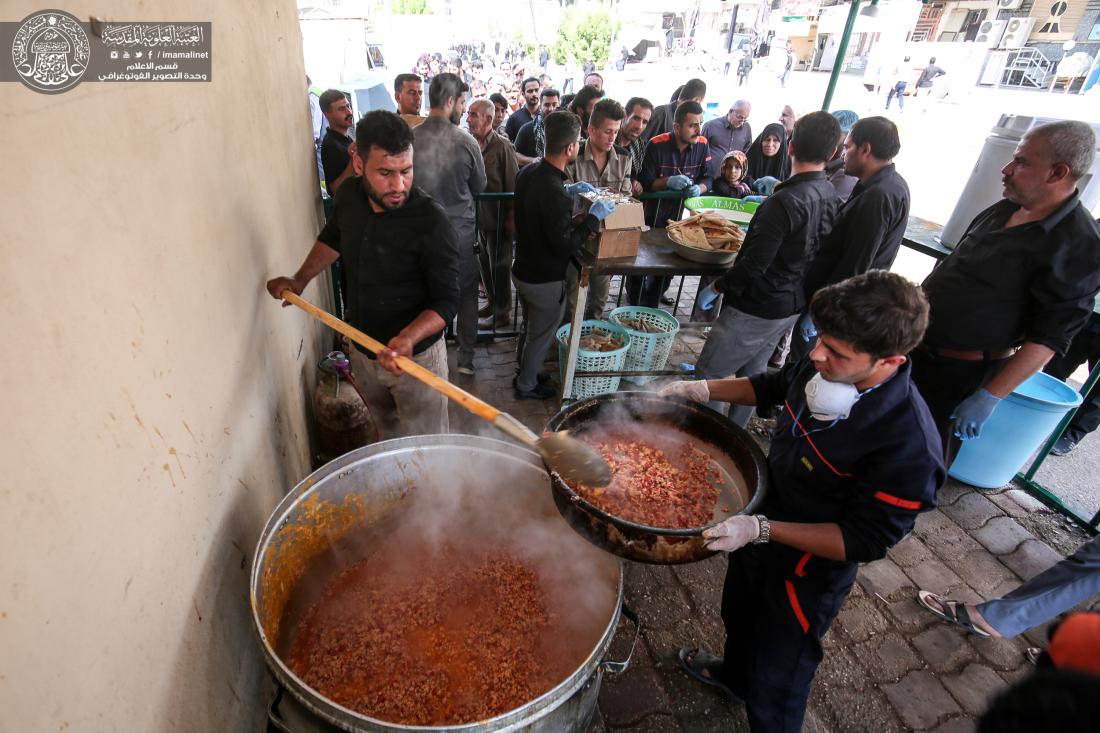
(1015, 430)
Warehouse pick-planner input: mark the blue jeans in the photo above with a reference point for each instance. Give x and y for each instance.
(899, 90)
(1053, 591)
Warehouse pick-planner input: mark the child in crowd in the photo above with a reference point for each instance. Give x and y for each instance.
(732, 180)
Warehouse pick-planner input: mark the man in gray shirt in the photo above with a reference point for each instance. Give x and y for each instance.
(450, 169)
(731, 132)
(604, 165)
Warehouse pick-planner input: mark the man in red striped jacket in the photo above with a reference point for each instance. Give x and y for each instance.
(854, 459)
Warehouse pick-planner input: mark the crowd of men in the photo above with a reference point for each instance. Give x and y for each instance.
(883, 379)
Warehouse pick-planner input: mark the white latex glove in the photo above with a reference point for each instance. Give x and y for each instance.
(732, 534)
(692, 389)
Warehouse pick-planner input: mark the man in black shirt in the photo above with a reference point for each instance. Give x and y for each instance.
(335, 155)
(526, 113)
(1018, 286)
(664, 115)
(764, 290)
(546, 240)
(582, 105)
(870, 225)
(531, 139)
(400, 256)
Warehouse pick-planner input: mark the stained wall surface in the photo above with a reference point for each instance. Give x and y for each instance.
(155, 397)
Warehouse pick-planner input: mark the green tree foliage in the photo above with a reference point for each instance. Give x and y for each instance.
(411, 7)
(583, 37)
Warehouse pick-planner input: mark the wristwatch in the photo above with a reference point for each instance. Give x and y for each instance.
(765, 535)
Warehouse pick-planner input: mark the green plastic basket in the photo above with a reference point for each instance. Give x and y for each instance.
(647, 350)
(735, 209)
(593, 361)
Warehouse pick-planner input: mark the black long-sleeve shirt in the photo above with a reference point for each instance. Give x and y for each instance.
(660, 121)
(546, 235)
(334, 157)
(868, 231)
(527, 141)
(398, 263)
(871, 473)
(1003, 286)
(515, 121)
(767, 277)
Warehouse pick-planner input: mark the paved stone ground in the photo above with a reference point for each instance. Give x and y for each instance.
(889, 665)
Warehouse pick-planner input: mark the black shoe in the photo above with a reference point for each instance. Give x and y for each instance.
(668, 300)
(1064, 446)
(540, 392)
(542, 378)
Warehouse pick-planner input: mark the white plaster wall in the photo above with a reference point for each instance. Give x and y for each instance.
(153, 395)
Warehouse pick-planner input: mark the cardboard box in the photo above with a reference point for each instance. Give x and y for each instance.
(616, 243)
(625, 216)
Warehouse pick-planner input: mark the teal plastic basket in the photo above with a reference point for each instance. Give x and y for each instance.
(594, 361)
(735, 209)
(647, 350)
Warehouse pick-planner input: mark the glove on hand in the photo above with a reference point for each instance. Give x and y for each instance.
(694, 191)
(972, 413)
(678, 182)
(765, 184)
(695, 390)
(601, 208)
(732, 534)
(704, 300)
(579, 187)
(806, 328)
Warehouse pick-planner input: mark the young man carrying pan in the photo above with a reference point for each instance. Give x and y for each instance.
(854, 459)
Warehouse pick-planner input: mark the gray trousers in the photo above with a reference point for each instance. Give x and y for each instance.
(543, 304)
(1053, 591)
(739, 345)
(598, 288)
(403, 405)
(469, 275)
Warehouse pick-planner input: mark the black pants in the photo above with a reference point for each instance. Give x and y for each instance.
(1085, 347)
(646, 290)
(777, 603)
(944, 383)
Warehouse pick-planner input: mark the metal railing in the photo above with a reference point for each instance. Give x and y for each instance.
(489, 265)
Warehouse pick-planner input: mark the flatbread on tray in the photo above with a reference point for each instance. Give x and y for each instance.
(707, 231)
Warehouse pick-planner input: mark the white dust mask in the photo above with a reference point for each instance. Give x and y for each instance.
(830, 400)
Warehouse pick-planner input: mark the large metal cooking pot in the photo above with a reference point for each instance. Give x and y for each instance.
(364, 491)
(743, 468)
